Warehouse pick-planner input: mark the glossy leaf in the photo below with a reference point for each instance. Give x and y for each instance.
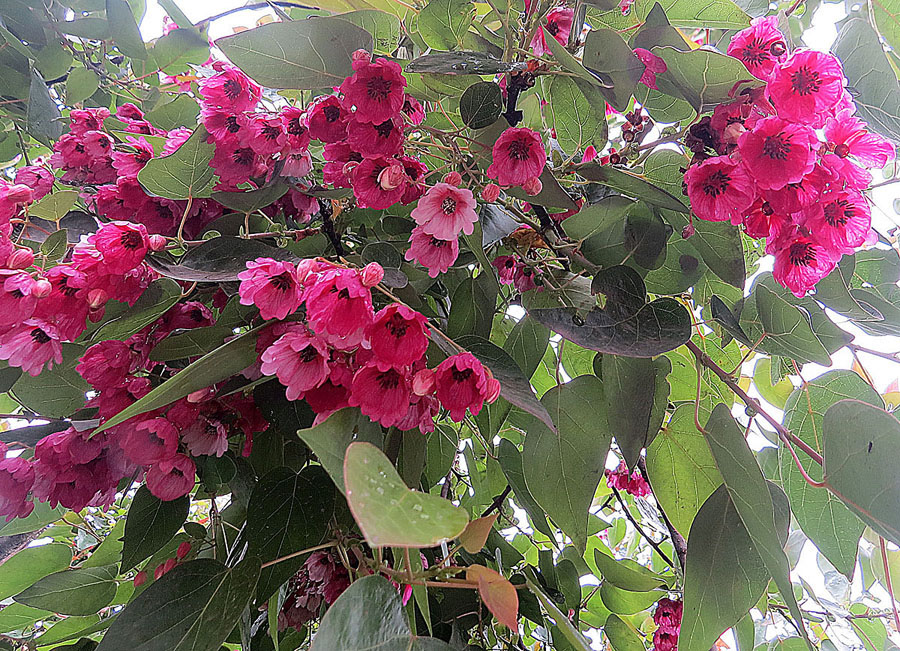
(626, 574)
(150, 524)
(220, 259)
(184, 174)
(72, 592)
(31, 564)
(481, 104)
(152, 304)
(631, 185)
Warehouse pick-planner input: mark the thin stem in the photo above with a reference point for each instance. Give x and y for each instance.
(678, 541)
(644, 535)
(184, 217)
(887, 580)
(497, 503)
(301, 553)
(877, 353)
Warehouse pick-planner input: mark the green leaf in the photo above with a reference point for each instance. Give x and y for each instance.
(749, 492)
(701, 77)
(249, 201)
(861, 445)
(175, 52)
(54, 206)
(226, 360)
(329, 439)
(624, 379)
(40, 517)
(288, 512)
(631, 185)
(218, 260)
(627, 325)
(369, 615)
(472, 308)
(569, 62)
(66, 629)
(82, 591)
(870, 76)
(621, 636)
(626, 602)
(16, 617)
(461, 63)
(578, 124)
(608, 56)
(81, 84)
(571, 634)
(311, 53)
(154, 302)
(388, 513)
(681, 469)
(443, 23)
(823, 517)
(149, 525)
(124, 30)
(384, 27)
(626, 574)
(722, 14)
(481, 104)
(788, 330)
(192, 608)
(43, 118)
(55, 246)
(724, 574)
(184, 174)
(510, 459)
(109, 550)
(563, 468)
(183, 110)
(56, 392)
(31, 564)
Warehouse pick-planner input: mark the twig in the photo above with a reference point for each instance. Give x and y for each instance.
(678, 541)
(301, 553)
(327, 212)
(498, 501)
(644, 535)
(877, 353)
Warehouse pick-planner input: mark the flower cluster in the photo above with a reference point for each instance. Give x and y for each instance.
(788, 161)
(667, 618)
(181, 553)
(632, 483)
(322, 579)
(345, 354)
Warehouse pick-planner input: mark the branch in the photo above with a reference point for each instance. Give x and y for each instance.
(678, 541)
(644, 535)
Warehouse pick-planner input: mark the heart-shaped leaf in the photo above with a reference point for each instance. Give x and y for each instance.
(498, 594)
(476, 532)
(390, 514)
(184, 174)
(150, 524)
(481, 104)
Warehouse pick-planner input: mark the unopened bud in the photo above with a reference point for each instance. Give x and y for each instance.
(20, 259)
(183, 550)
(157, 242)
(491, 192)
(452, 178)
(532, 186)
(140, 578)
(687, 231)
(423, 382)
(493, 390)
(41, 288)
(392, 177)
(97, 298)
(19, 193)
(200, 395)
(590, 153)
(361, 55)
(733, 131)
(372, 274)
(304, 268)
(162, 568)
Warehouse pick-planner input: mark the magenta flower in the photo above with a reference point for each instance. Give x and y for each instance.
(558, 25)
(776, 152)
(383, 396)
(16, 481)
(506, 268)
(463, 383)
(266, 135)
(298, 359)
(719, 190)
(445, 211)
(375, 89)
(327, 119)
(761, 46)
(272, 286)
(518, 155)
(205, 436)
(150, 441)
(415, 173)
(224, 126)
(17, 299)
(799, 262)
(667, 618)
(123, 245)
(339, 308)
(230, 89)
(236, 165)
(840, 221)
(107, 365)
(428, 251)
(806, 86)
(171, 478)
(413, 110)
(30, 345)
(848, 136)
(398, 336)
(632, 483)
(374, 185)
(37, 178)
(129, 163)
(293, 122)
(374, 138)
(653, 65)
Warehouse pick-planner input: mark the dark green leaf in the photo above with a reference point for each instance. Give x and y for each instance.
(511, 462)
(250, 201)
(81, 84)
(72, 592)
(563, 468)
(56, 392)
(218, 260)
(184, 174)
(153, 303)
(481, 104)
(443, 23)
(17, 617)
(124, 30)
(788, 330)
(31, 564)
(461, 63)
(150, 524)
(626, 574)
(43, 119)
(725, 318)
(607, 55)
(573, 108)
(570, 633)
(472, 308)
(312, 53)
(181, 111)
(631, 185)
(192, 608)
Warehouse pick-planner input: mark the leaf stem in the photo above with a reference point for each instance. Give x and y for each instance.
(644, 535)
(301, 553)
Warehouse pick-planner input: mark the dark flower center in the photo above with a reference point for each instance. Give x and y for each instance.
(552, 27)
(509, 264)
(842, 150)
(344, 294)
(131, 240)
(755, 52)
(331, 113)
(243, 156)
(461, 375)
(39, 336)
(716, 184)
(296, 128)
(805, 81)
(438, 244)
(388, 380)
(519, 149)
(396, 325)
(838, 213)
(16, 293)
(308, 354)
(271, 132)
(385, 129)
(231, 124)
(448, 205)
(281, 282)
(378, 88)
(232, 88)
(802, 254)
(776, 147)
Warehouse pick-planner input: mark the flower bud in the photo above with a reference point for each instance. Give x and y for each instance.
(590, 153)
(423, 382)
(687, 231)
(41, 288)
(493, 386)
(164, 567)
(183, 550)
(200, 395)
(532, 186)
(491, 192)
(305, 267)
(20, 259)
(140, 578)
(19, 193)
(157, 242)
(372, 274)
(391, 177)
(97, 298)
(453, 178)
(361, 56)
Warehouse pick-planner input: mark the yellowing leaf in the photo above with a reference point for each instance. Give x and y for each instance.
(476, 532)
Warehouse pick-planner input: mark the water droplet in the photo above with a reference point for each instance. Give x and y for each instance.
(380, 490)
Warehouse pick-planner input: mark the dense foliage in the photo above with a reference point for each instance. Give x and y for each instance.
(448, 325)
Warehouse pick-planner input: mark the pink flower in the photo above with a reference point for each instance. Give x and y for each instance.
(840, 221)
(267, 136)
(327, 119)
(776, 152)
(373, 184)
(849, 137)
(799, 262)
(151, 441)
(506, 268)
(667, 618)
(847, 172)
(293, 121)
(16, 481)
(107, 365)
(632, 483)
(298, 359)
(719, 190)
(171, 478)
(36, 177)
(17, 297)
(129, 163)
(31, 345)
(431, 252)
(398, 336)
(415, 175)
(463, 383)
(123, 245)
(235, 165)
(491, 192)
(339, 307)
(445, 210)
(518, 155)
(761, 46)
(763, 221)
(272, 286)
(375, 89)
(413, 110)
(590, 152)
(376, 139)
(205, 436)
(806, 86)
(224, 126)
(653, 65)
(230, 89)
(559, 24)
(383, 396)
